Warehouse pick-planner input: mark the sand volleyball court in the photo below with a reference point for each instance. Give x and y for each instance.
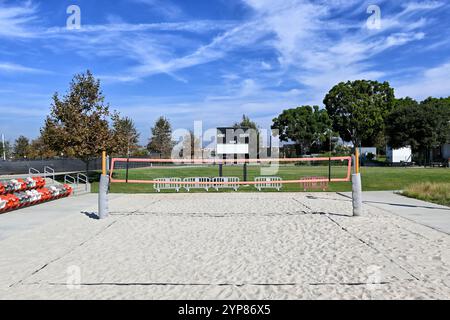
(227, 246)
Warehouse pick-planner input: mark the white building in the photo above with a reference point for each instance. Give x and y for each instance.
(399, 155)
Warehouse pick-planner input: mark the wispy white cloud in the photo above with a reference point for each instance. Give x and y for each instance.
(15, 20)
(17, 68)
(319, 58)
(314, 57)
(238, 37)
(165, 8)
(421, 5)
(196, 26)
(306, 47)
(430, 82)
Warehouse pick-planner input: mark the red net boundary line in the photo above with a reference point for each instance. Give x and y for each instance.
(223, 161)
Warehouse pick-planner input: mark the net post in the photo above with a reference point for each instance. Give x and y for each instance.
(103, 197)
(357, 160)
(103, 191)
(104, 163)
(220, 170)
(356, 188)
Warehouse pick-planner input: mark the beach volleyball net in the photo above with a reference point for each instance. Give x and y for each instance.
(296, 174)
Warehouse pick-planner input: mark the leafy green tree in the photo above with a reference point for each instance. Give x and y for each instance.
(405, 124)
(304, 125)
(21, 148)
(245, 123)
(141, 152)
(422, 126)
(78, 124)
(358, 109)
(39, 150)
(161, 138)
(125, 135)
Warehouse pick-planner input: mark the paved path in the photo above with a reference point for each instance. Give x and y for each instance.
(425, 213)
(25, 219)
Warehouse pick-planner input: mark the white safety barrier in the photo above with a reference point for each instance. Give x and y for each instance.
(268, 183)
(173, 185)
(206, 183)
(229, 185)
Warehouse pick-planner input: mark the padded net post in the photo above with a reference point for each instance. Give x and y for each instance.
(103, 197)
(357, 194)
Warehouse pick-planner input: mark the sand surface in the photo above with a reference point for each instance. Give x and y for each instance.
(228, 246)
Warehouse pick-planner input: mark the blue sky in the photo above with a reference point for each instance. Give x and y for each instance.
(214, 60)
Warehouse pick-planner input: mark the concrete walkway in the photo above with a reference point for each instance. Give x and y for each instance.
(425, 213)
(25, 219)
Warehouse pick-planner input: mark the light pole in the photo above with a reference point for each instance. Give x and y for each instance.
(329, 162)
(329, 155)
(3, 147)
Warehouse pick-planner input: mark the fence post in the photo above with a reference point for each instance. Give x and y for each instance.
(126, 174)
(329, 169)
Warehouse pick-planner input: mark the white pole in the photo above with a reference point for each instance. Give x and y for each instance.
(3, 144)
(357, 194)
(103, 211)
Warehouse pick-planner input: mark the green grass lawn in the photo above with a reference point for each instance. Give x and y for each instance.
(373, 178)
(432, 192)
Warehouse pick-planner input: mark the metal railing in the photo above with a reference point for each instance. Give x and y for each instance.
(49, 171)
(33, 171)
(68, 179)
(84, 179)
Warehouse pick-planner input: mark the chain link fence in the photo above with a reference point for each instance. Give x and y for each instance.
(59, 165)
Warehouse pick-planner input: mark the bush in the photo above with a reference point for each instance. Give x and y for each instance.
(370, 156)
